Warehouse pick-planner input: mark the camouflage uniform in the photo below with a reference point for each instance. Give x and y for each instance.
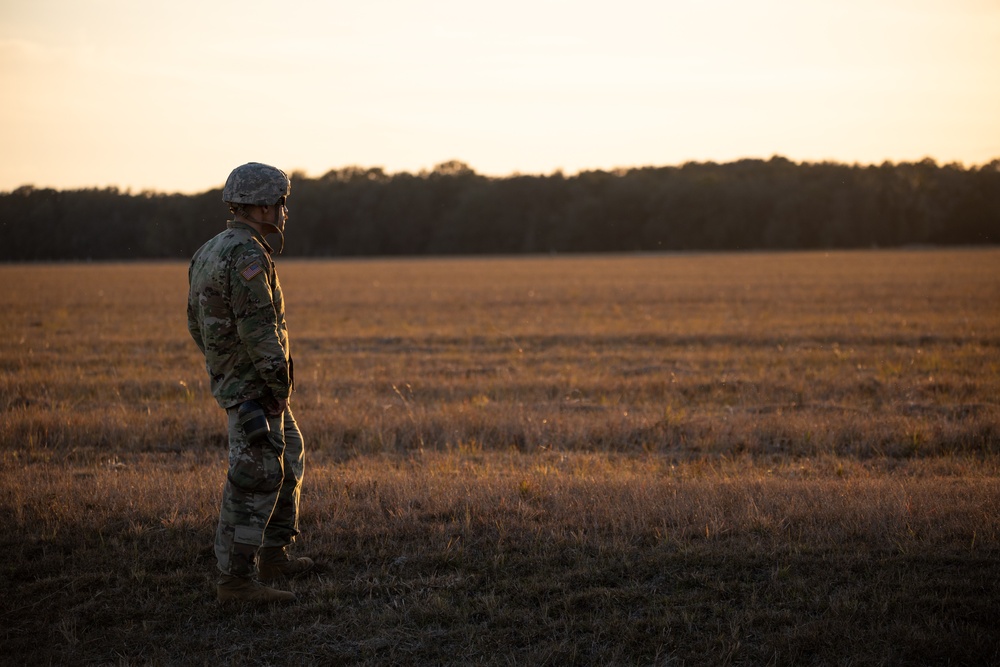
(236, 315)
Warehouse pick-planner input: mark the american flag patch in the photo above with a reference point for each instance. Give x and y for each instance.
(252, 270)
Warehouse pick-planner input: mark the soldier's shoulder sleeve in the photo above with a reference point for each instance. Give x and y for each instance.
(250, 277)
(252, 301)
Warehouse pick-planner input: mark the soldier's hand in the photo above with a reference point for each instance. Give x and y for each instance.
(275, 407)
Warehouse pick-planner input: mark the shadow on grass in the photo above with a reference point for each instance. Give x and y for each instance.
(148, 599)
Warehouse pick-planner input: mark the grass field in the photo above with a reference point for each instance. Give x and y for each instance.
(742, 459)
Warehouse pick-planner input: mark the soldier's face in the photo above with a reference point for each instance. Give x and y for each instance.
(278, 214)
(280, 217)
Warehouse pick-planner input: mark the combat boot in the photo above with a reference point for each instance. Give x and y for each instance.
(275, 563)
(245, 589)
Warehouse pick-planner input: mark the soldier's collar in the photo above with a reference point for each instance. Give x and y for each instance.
(236, 224)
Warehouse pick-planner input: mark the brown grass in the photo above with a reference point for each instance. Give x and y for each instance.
(693, 459)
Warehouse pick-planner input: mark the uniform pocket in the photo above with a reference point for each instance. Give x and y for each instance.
(255, 468)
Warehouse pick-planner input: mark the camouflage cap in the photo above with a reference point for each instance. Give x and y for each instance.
(256, 184)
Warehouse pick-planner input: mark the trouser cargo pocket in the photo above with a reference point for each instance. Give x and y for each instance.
(255, 468)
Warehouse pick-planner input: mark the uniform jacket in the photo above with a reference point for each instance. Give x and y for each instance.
(236, 315)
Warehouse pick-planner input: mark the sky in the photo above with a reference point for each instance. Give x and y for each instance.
(170, 95)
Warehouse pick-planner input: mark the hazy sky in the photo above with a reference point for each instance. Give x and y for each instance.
(170, 95)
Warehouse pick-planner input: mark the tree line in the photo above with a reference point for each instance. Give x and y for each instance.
(354, 211)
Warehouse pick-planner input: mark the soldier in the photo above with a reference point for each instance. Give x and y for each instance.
(236, 315)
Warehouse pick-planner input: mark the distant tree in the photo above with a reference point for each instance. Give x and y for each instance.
(361, 211)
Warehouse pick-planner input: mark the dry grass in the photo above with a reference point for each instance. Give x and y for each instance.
(719, 459)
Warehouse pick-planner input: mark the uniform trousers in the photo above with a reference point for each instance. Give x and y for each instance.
(260, 500)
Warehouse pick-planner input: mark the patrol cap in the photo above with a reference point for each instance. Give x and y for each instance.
(256, 184)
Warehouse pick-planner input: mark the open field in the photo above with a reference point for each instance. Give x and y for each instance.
(677, 460)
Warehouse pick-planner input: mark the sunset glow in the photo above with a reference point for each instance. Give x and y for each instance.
(171, 96)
